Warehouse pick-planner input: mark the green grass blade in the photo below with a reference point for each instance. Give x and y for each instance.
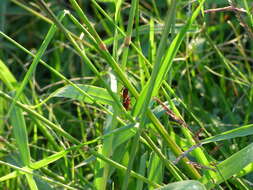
(127, 40)
(228, 168)
(7, 77)
(41, 118)
(155, 167)
(143, 101)
(121, 167)
(35, 62)
(19, 128)
(234, 133)
(29, 172)
(161, 69)
(31, 182)
(98, 94)
(55, 72)
(142, 167)
(20, 133)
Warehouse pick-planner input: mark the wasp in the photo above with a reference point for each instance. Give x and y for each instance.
(126, 99)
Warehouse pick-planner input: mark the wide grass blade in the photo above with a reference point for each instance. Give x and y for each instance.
(98, 94)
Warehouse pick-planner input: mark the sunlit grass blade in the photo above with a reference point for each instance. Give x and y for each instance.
(7, 77)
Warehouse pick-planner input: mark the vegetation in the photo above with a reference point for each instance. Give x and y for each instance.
(105, 94)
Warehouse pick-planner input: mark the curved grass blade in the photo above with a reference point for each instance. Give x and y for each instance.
(101, 95)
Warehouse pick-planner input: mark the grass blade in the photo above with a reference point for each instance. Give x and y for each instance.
(234, 133)
(228, 168)
(20, 133)
(35, 62)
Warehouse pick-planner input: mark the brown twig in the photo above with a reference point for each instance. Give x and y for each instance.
(185, 153)
(228, 8)
(241, 20)
(172, 114)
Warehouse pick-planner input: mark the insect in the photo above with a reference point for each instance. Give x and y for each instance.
(126, 99)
